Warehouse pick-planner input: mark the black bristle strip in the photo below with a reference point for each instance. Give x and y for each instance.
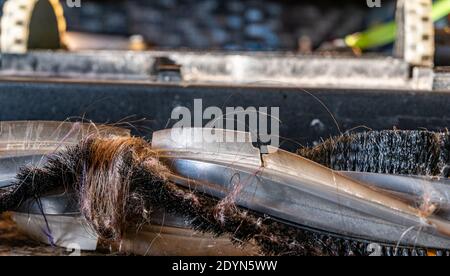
(388, 151)
(60, 172)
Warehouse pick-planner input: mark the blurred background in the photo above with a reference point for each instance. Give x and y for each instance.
(261, 25)
(299, 26)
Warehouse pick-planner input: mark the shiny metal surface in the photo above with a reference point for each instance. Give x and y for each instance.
(296, 190)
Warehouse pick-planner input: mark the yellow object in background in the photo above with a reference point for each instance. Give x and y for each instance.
(32, 24)
(385, 34)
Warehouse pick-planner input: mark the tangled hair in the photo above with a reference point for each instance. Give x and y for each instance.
(120, 180)
(105, 176)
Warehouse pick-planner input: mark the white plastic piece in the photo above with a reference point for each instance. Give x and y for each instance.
(415, 34)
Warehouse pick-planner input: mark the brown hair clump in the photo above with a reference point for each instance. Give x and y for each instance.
(105, 196)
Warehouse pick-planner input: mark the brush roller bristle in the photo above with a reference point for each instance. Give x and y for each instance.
(389, 151)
